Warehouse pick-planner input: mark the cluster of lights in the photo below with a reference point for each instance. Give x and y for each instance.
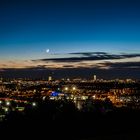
(73, 88)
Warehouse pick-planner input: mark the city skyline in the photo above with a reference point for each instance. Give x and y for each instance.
(94, 36)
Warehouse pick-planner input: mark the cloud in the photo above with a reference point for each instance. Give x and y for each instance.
(98, 60)
(123, 65)
(90, 56)
(89, 53)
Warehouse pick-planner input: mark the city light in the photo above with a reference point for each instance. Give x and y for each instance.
(74, 88)
(44, 98)
(7, 103)
(94, 96)
(66, 88)
(84, 97)
(6, 109)
(70, 69)
(33, 104)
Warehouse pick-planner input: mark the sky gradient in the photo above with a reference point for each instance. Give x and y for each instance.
(104, 34)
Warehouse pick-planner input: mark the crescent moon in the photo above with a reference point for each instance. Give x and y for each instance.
(47, 50)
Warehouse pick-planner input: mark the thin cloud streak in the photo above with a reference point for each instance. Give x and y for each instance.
(99, 60)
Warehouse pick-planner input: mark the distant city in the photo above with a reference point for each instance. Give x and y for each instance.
(28, 98)
(20, 92)
(70, 69)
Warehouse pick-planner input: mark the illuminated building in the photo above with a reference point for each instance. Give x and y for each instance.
(49, 78)
(94, 77)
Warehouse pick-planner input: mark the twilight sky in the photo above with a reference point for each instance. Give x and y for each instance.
(94, 34)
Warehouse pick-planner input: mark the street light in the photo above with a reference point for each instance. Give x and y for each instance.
(7, 103)
(66, 88)
(6, 109)
(33, 104)
(94, 96)
(74, 88)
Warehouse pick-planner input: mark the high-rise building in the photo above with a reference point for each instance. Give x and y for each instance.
(49, 78)
(94, 77)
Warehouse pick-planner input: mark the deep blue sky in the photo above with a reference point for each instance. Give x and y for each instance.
(29, 27)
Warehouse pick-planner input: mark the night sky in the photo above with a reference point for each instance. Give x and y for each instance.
(94, 36)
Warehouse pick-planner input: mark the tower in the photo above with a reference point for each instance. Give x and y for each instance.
(94, 77)
(49, 78)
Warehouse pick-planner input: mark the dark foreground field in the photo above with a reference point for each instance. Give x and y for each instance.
(61, 120)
